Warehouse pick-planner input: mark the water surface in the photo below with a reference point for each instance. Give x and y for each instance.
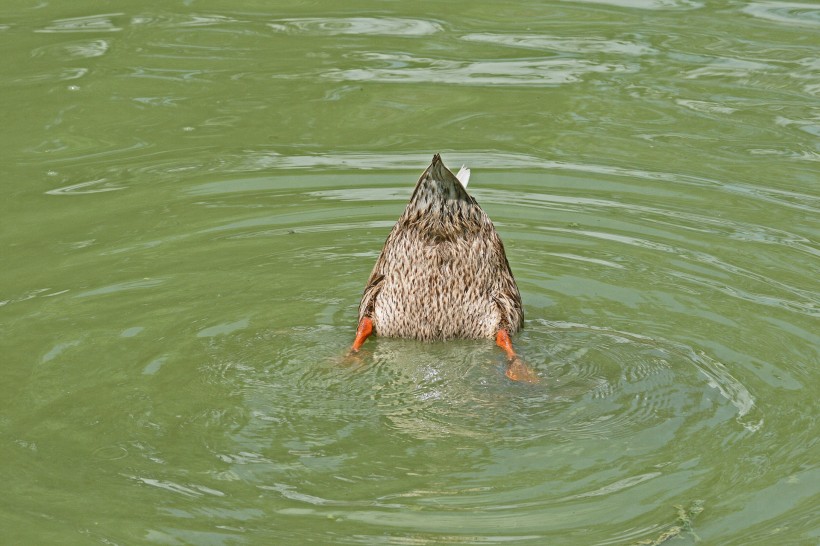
(194, 196)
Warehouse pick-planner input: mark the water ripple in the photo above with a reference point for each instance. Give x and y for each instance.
(672, 5)
(85, 49)
(266, 160)
(185, 262)
(419, 395)
(487, 159)
(82, 188)
(178, 20)
(59, 75)
(331, 26)
(393, 68)
(787, 13)
(88, 23)
(584, 45)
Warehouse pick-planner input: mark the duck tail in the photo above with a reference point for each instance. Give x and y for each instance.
(463, 176)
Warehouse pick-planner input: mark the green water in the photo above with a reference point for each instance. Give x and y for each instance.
(194, 194)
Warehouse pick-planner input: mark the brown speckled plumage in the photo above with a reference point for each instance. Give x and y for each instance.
(442, 273)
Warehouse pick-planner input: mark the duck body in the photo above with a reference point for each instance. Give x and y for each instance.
(442, 273)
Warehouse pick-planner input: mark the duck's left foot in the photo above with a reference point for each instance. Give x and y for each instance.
(362, 333)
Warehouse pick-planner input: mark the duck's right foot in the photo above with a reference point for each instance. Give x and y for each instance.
(362, 333)
(517, 370)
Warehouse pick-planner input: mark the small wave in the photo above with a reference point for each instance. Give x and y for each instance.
(177, 20)
(89, 23)
(82, 188)
(415, 161)
(647, 4)
(60, 75)
(562, 44)
(86, 49)
(120, 287)
(392, 26)
(717, 374)
(188, 490)
(614, 487)
(86, 151)
(787, 13)
(171, 74)
(515, 72)
(206, 21)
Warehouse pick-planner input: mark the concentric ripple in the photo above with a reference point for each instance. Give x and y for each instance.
(194, 196)
(408, 432)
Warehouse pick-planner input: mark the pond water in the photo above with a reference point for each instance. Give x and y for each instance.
(194, 194)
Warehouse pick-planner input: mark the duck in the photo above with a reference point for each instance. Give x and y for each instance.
(443, 273)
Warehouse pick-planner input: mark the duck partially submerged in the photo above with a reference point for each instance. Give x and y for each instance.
(443, 273)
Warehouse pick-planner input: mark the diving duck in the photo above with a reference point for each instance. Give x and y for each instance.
(443, 274)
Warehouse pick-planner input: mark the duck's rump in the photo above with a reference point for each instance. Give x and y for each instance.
(442, 272)
(443, 291)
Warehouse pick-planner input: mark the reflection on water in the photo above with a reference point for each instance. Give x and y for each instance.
(407, 69)
(648, 4)
(193, 206)
(79, 49)
(90, 23)
(786, 13)
(564, 44)
(358, 25)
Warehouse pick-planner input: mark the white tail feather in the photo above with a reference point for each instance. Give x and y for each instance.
(463, 176)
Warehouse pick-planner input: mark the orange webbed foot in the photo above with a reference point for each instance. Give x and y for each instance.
(517, 369)
(362, 333)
